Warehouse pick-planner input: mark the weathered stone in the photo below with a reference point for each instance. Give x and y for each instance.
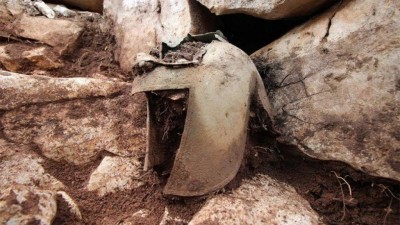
(136, 218)
(21, 166)
(16, 7)
(115, 174)
(270, 10)
(72, 206)
(262, 200)
(72, 119)
(58, 33)
(18, 89)
(44, 9)
(42, 58)
(13, 57)
(167, 218)
(9, 62)
(61, 10)
(335, 85)
(22, 205)
(140, 25)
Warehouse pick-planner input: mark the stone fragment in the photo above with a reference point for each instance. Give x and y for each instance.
(167, 218)
(270, 10)
(22, 205)
(16, 7)
(140, 25)
(61, 10)
(335, 85)
(21, 166)
(137, 217)
(44, 9)
(42, 58)
(115, 174)
(73, 207)
(59, 33)
(10, 63)
(262, 200)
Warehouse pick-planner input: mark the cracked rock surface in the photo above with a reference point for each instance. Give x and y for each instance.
(260, 200)
(23, 205)
(335, 85)
(72, 119)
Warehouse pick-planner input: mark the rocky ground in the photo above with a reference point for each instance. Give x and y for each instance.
(73, 138)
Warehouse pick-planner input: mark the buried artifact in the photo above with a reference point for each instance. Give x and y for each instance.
(220, 88)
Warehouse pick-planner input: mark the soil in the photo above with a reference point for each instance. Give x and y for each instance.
(93, 56)
(325, 184)
(168, 110)
(186, 51)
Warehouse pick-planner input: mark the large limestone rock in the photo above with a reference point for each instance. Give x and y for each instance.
(262, 200)
(335, 85)
(270, 9)
(22, 205)
(19, 90)
(59, 33)
(140, 25)
(115, 174)
(72, 119)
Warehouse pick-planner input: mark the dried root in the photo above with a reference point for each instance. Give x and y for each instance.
(388, 209)
(345, 201)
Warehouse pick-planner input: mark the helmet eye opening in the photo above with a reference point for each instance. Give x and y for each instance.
(167, 115)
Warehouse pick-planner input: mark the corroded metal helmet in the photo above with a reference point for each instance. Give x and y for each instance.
(221, 88)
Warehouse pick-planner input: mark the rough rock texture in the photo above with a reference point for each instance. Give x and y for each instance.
(23, 205)
(19, 90)
(72, 119)
(115, 174)
(270, 10)
(262, 200)
(41, 58)
(21, 166)
(335, 85)
(167, 218)
(136, 217)
(58, 33)
(10, 63)
(13, 59)
(16, 7)
(140, 25)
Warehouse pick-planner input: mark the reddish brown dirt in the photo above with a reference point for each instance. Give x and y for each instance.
(316, 181)
(92, 57)
(117, 207)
